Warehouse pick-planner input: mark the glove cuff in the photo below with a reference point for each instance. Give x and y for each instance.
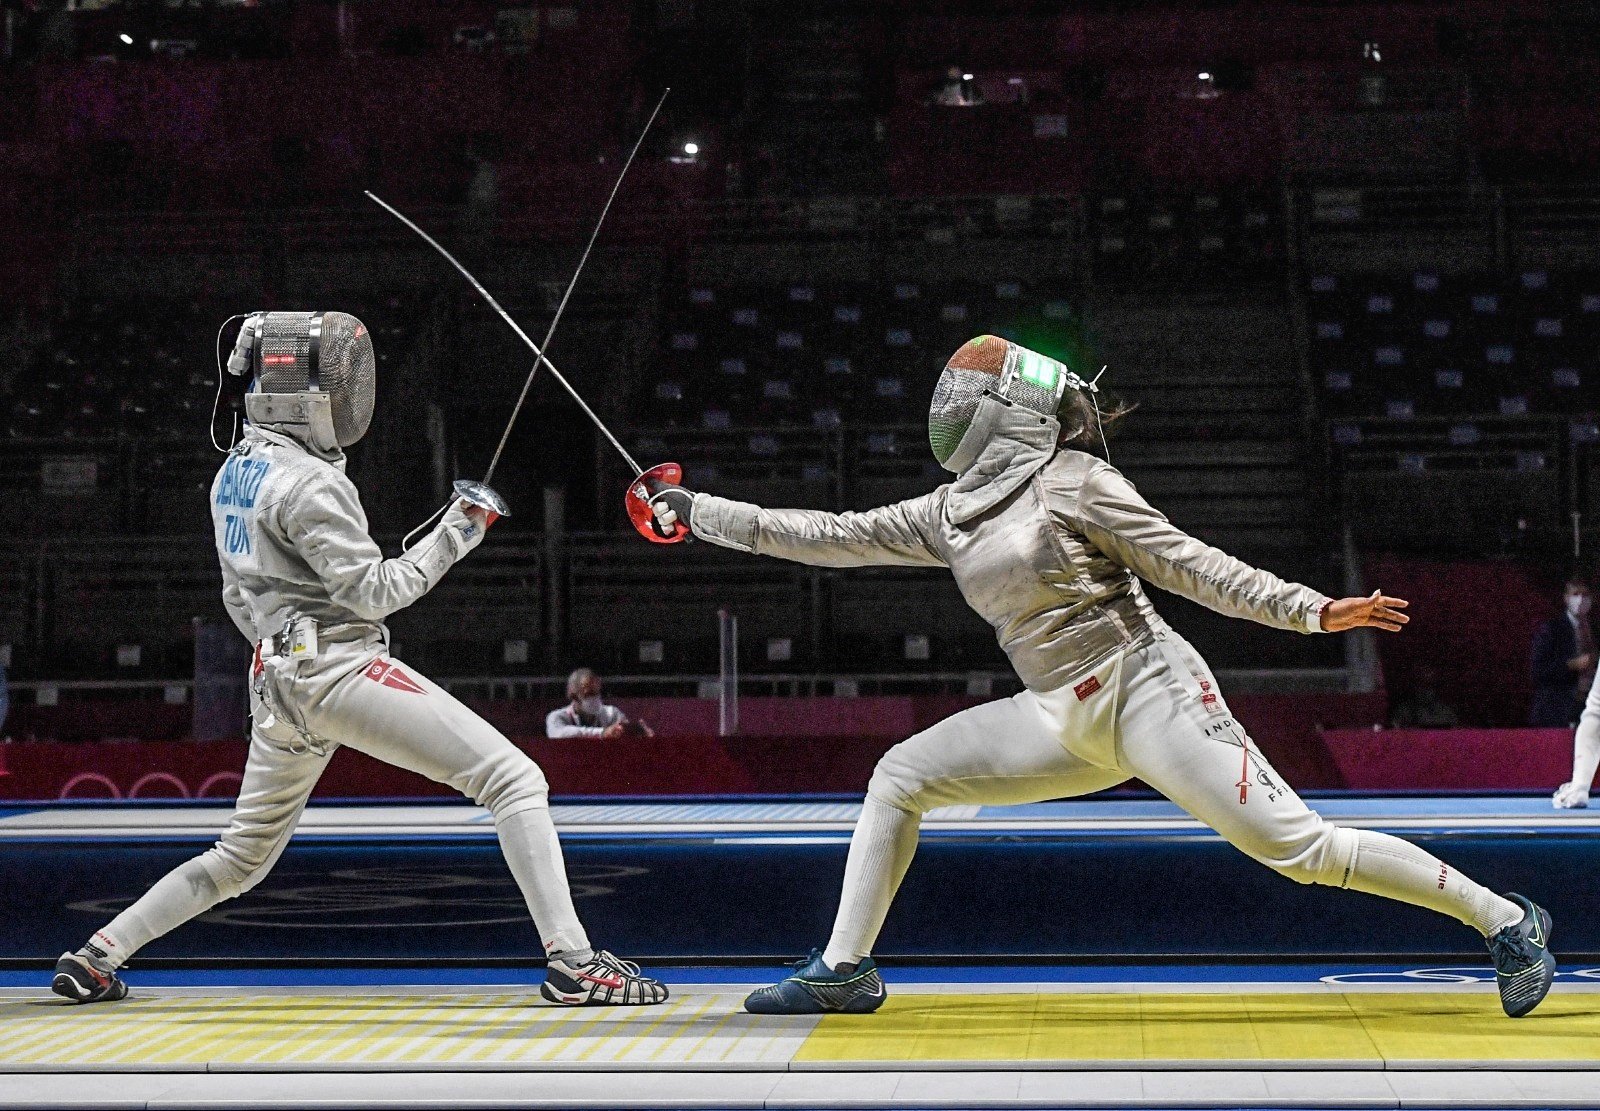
(732, 524)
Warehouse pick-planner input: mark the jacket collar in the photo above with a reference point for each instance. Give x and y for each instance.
(1020, 444)
(272, 434)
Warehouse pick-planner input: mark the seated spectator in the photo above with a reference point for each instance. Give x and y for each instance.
(1422, 708)
(1563, 660)
(586, 715)
(957, 90)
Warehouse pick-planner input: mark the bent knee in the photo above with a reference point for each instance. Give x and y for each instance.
(898, 783)
(1325, 854)
(235, 867)
(508, 783)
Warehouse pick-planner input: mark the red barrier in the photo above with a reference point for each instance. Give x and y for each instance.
(1450, 759)
(843, 739)
(1353, 759)
(1479, 652)
(663, 766)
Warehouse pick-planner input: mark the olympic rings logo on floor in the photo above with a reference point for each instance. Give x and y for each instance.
(220, 785)
(385, 898)
(1465, 975)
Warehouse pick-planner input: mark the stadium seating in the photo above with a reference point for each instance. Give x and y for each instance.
(1458, 346)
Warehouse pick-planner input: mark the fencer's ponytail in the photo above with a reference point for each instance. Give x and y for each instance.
(1084, 428)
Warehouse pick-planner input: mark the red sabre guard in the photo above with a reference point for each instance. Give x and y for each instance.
(637, 501)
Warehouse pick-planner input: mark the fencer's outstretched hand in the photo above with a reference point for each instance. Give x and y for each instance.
(1375, 611)
(671, 505)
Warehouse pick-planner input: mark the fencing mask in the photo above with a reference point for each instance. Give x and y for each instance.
(311, 368)
(985, 379)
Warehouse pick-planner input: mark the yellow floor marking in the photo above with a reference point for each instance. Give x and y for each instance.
(385, 1038)
(414, 1047)
(672, 1008)
(85, 1033)
(666, 1042)
(693, 1052)
(1330, 1032)
(428, 1046)
(391, 1018)
(508, 1039)
(1463, 1027)
(1359, 1027)
(1364, 1028)
(786, 1029)
(172, 1033)
(473, 1023)
(649, 1030)
(394, 1045)
(583, 1028)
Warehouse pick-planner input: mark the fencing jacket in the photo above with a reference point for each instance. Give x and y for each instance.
(292, 539)
(1053, 564)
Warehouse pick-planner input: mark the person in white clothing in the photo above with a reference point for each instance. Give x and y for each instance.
(305, 583)
(1049, 544)
(586, 713)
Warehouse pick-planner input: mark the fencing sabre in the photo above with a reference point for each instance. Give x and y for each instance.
(479, 492)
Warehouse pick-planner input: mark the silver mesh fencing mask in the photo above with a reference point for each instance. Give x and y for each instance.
(984, 378)
(324, 362)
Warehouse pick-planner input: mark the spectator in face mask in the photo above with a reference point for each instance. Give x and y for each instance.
(586, 715)
(1563, 660)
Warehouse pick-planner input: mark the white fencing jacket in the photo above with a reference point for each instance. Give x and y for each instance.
(292, 540)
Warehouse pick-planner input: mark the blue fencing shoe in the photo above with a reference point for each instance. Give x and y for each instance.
(817, 989)
(1523, 964)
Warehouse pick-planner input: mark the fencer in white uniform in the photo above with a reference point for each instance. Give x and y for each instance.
(1574, 793)
(1049, 544)
(304, 582)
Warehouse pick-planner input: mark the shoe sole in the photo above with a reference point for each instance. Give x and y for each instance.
(551, 995)
(816, 1008)
(68, 988)
(71, 990)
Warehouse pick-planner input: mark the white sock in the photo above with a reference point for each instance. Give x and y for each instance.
(1586, 752)
(1398, 869)
(186, 892)
(881, 849)
(533, 852)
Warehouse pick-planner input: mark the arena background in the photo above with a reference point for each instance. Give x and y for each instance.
(1345, 257)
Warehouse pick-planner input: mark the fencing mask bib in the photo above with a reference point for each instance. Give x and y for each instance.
(987, 380)
(314, 369)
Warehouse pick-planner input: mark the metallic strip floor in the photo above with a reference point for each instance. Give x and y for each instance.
(933, 1045)
(778, 818)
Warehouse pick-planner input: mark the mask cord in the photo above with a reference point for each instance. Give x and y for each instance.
(216, 402)
(1094, 398)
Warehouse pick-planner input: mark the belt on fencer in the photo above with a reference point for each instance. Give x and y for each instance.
(301, 637)
(299, 640)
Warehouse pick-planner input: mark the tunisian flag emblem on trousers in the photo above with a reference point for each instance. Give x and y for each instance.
(388, 675)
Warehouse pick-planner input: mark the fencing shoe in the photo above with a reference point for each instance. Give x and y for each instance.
(83, 979)
(601, 980)
(1523, 964)
(1570, 796)
(815, 988)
